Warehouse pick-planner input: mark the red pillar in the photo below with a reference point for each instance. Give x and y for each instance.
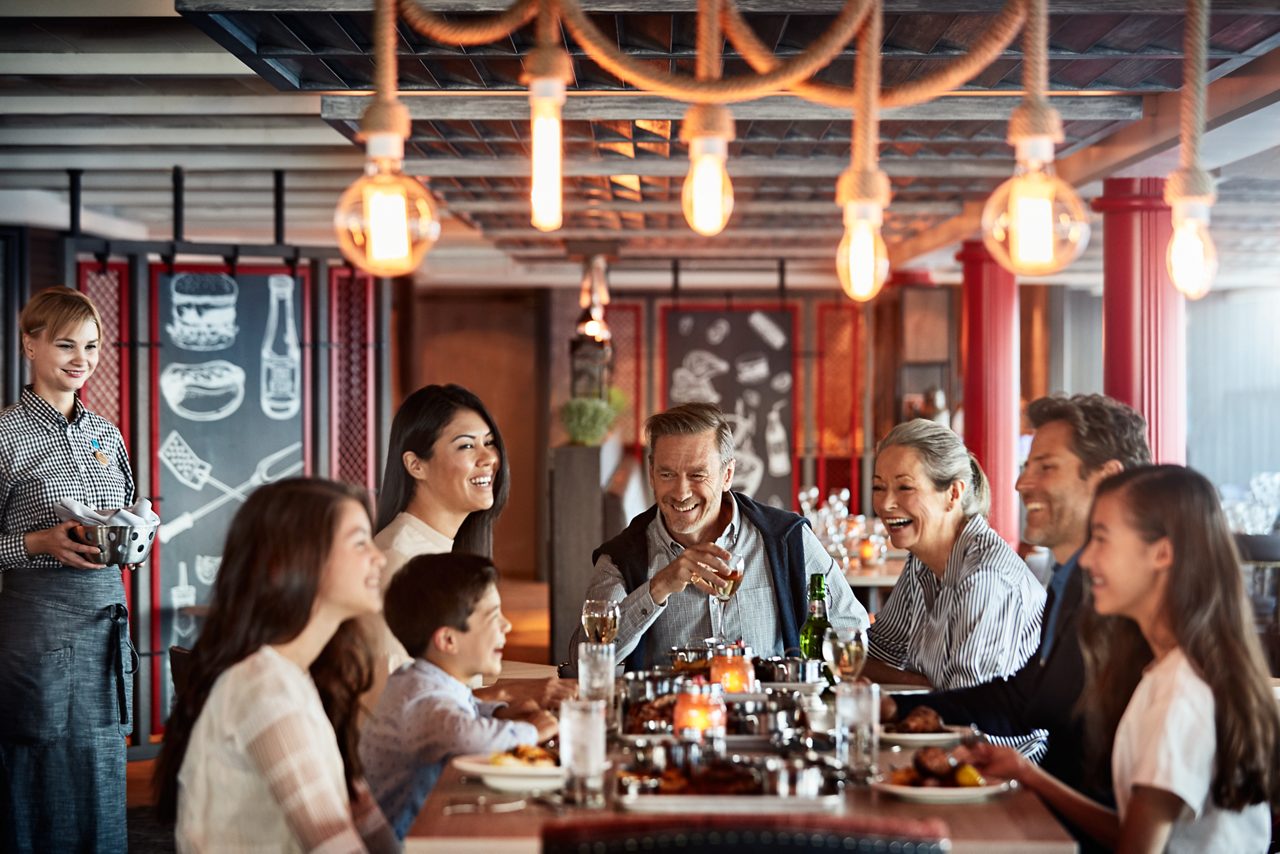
(991, 379)
(1144, 331)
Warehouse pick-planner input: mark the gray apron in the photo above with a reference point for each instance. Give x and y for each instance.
(65, 708)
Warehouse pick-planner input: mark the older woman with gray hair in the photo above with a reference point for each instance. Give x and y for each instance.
(966, 609)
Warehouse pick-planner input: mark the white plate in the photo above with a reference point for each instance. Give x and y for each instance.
(727, 804)
(510, 778)
(894, 688)
(943, 794)
(802, 687)
(925, 739)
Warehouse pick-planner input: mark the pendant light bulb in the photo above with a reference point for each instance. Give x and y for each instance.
(707, 198)
(1034, 223)
(1192, 256)
(546, 97)
(385, 222)
(862, 261)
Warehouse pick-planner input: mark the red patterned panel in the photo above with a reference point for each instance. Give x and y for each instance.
(107, 393)
(351, 378)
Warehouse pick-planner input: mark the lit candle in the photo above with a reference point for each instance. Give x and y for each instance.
(700, 710)
(731, 667)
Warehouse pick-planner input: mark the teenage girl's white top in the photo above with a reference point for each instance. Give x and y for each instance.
(1166, 740)
(263, 772)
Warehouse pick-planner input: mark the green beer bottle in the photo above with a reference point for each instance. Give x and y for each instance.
(816, 626)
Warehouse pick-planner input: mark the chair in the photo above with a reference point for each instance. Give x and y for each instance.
(180, 668)
(744, 834)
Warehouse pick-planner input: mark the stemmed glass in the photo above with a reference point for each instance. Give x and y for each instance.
(719, 599)
(600, 620)
(845, 651)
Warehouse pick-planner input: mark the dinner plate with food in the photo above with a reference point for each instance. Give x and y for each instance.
(521, 769)
(937, 777)
(922, 727)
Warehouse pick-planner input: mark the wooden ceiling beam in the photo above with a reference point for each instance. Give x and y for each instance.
(742, 206)
(623, 106)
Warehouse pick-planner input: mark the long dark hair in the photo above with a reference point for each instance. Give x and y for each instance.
(418, 424)
(1212, 622)
(272, 562)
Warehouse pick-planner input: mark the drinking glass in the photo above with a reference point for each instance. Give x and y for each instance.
(858, 728)
(600, 620)
(582, 751)
(720, 598)
(596, 671)
(845, 651)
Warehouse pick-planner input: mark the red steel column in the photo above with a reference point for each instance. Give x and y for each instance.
(1144, 330)
(991, 379)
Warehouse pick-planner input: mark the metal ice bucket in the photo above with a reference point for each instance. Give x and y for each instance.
(121, 545)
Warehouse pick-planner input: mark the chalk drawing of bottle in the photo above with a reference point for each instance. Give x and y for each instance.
(777, 451)
(281, 387)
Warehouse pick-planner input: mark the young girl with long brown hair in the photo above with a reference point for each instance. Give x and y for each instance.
(261, 749)
(1195, 754)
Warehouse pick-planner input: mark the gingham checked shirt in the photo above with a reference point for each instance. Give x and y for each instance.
(685, 618)
(44, 458)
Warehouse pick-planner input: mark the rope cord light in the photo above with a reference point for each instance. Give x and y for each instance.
(862, 261)
(1192, 258)
(1034, 223)
(385, 222)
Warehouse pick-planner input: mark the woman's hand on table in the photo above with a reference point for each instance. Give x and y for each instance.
(57, 543)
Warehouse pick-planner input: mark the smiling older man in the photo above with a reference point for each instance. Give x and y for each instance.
(671, 557)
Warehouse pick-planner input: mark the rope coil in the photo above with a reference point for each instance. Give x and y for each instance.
(1034, 117)
(1189, 182)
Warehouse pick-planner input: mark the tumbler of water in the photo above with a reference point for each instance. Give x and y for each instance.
(858, 729)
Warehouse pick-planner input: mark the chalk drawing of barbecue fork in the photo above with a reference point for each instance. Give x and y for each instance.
(261, 474)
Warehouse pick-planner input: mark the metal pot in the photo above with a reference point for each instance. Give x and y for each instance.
(782, 668)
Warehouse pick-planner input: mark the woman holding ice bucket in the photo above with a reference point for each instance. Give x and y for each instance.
(65, 656)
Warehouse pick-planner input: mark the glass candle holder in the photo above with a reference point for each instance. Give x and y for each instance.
(700, 711)
(732, 667)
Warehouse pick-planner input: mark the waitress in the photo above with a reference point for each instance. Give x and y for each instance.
(65, 655)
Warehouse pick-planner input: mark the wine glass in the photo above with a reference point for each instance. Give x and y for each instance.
(845, 651)
(720, 598)
(600, 619)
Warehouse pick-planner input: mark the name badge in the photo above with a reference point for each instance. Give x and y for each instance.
(97, 452)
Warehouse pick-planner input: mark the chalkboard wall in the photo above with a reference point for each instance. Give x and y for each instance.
(743, 360)
(229, 400)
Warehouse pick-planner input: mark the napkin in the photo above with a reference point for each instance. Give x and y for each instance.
(140, 515)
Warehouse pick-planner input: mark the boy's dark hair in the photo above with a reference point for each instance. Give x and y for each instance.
(433, 591)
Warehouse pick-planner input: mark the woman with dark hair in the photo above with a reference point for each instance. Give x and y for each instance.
(1195, 754)
(966, 608)
(445, 484)
(261, 750)
(65, 657)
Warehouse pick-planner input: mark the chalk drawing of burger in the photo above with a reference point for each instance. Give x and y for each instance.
(204, 311)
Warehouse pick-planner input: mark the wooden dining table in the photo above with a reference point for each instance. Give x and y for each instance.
(1011, 823)
(1015, 822)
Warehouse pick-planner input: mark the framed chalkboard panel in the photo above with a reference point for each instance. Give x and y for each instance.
(743, 359)
(228, 408)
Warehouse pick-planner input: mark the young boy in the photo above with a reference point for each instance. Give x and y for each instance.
(446, 611)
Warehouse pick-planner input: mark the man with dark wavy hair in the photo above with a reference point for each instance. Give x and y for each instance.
(1078, 442)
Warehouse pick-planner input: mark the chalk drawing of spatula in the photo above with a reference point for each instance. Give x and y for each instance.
(188, 468)
(263, 473)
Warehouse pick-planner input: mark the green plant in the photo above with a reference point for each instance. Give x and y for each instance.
(587, 419)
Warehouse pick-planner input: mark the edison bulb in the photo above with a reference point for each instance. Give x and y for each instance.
(1034, 223)
(591, 324)
(707, 198)
(862, 261)
(385, 221)
(546, 97)
(1192, 257)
